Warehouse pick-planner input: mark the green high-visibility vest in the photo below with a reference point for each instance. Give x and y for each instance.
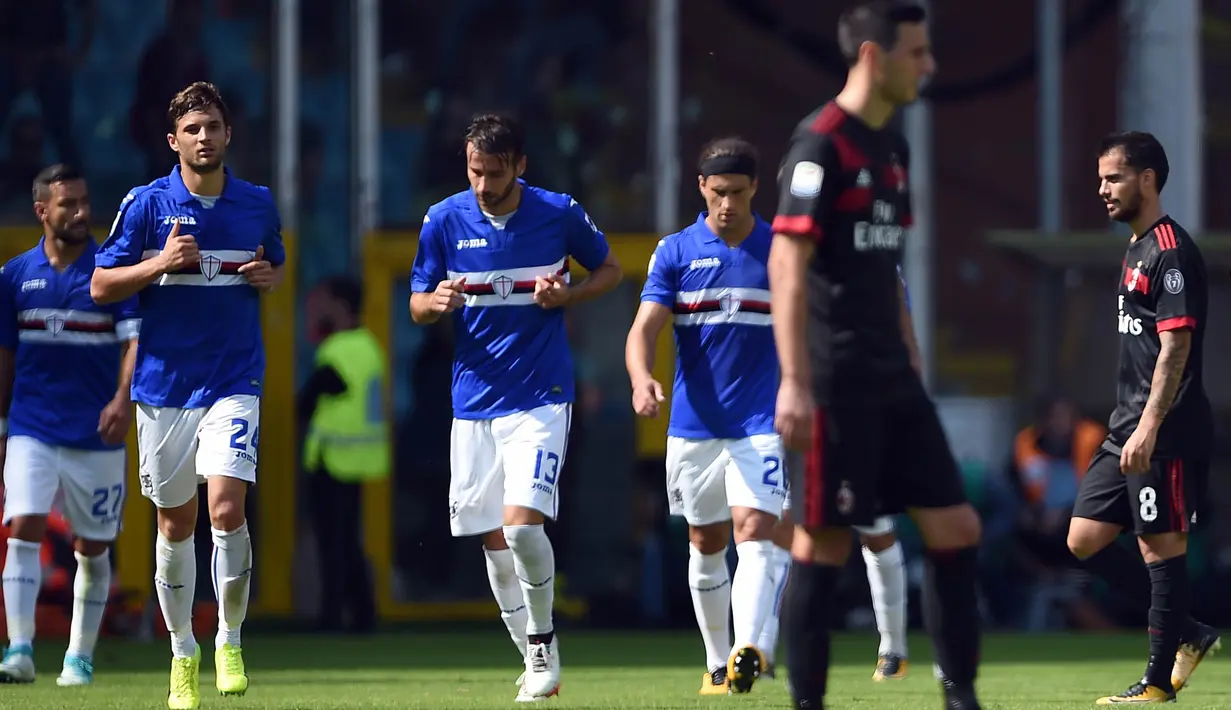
(349, 434)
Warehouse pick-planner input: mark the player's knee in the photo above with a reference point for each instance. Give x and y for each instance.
(953, 528)
(30, 528)
(226, 514)
(1087, 537)
(90, 548)
(709, 539)
(822, 546)
(878, 543)
(750, 524)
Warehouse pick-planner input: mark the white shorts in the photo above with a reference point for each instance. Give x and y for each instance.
(510, 460)
(180, 448)
(88, 486)
(708, 477)
(882, 525)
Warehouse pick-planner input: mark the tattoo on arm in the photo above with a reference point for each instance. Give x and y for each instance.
(1172, 358)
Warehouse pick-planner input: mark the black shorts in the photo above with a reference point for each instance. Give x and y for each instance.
(873, 459)
(1165, 499)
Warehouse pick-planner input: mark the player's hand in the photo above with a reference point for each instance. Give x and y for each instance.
(794, 414)
(1137, 451)
(260, 273)
(180, 251)
(115, 420)
(449, 296)
(647, 395)
(551, 291)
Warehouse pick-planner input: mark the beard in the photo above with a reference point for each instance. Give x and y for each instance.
(492, 199)
(205, 166)
(1127, 211)
(76, 233)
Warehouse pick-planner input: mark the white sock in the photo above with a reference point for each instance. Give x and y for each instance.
(752, 590)
(175, 581)
(23, 576)
(535, 563)
(780, 568)
(502, 575)
(231, 569)
(710, 584)
(91, 587)
(887, 580)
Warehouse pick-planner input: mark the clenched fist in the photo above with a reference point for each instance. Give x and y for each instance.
(180, 251)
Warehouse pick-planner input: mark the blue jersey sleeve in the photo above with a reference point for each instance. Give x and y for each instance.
(661, 280)
(127, 318)
(8, 310)
(585, 242)
(429, 267)
(126, 242)
(275, 252)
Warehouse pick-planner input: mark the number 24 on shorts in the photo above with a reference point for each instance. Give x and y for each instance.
(241, 442)
(773, 469)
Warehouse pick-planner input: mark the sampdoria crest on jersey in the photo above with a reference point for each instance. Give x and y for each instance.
(503, 286)
(55, 324)
(210, 266)
(1173, 281)
(806, 179)
(729, 303)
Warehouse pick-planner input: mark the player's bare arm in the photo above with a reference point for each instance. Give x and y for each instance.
(427, 307)
(1175, 345)
(908, 330)
(639, 357)
(122, 282)
(552, 292)
(788, 263)
(116, 418)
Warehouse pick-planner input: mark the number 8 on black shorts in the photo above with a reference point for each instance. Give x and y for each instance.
(1166, 499)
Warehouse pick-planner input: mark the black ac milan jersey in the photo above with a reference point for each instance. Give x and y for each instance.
(844, 184)
(1162, 288)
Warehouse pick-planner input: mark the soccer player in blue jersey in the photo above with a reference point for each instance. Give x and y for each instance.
(724, 460)
(199, 246)
(65, 368)
(495, 259)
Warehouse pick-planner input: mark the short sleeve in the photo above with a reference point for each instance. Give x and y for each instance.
(127, 318)
(8, 310)
(275, 252)
(807, 186)
(585, 242)
(126, 242)
(1176, 291)
(662, 276)
(429, 267)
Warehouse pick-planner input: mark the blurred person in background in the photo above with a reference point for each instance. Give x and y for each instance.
(1049, 458)
(35, 55)
(25, 160)
(66, 366)
(347, 445)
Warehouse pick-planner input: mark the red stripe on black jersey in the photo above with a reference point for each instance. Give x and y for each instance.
(70, 325)
(853, 199)
(714, 305)
(1137, 281)
(1176, 324)
(799, 225)
(1165, 236)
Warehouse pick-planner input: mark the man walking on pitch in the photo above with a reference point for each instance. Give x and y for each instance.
(199, 246)
(66, 366)
(496, 259)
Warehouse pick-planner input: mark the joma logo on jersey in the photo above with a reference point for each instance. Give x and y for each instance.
(184, 220)
(479, 243)
(709, 262)
(33, 285)
(1126, 323)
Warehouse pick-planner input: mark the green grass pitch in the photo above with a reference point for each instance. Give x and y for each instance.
(617, 670)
